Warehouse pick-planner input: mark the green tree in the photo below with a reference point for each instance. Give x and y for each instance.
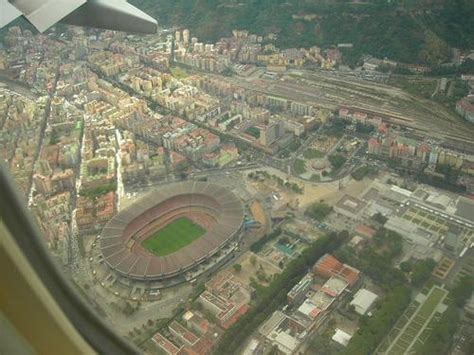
(364, 128)
(373, 329)
(337, 161)
(318, 210)
(380, 218)
(442, 333)
(462, 290)
(54, 137)
(406, 266)
(259, 244)
(422, 271)
(253, 260)
(94, 192)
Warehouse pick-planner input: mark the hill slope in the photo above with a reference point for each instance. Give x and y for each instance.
(420, 31)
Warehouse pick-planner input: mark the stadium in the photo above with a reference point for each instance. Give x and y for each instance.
(171, 230)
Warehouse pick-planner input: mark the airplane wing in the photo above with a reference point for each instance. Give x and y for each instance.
(108, 14)
(116, 15)
(8, 13)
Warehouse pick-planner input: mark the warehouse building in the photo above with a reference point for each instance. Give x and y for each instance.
(363, 301)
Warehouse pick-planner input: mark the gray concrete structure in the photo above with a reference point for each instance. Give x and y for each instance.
(220, 209)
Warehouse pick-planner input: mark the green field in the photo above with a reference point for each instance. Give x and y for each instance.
(179, 72)
(253, 131)
(431, 302)
(312, 153)
(173, 237)
(300, 166)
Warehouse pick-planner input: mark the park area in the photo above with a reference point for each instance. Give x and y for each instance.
(414, 325)
(173, 237)
(254, 267)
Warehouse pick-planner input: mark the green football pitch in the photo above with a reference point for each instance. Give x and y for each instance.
(173, 237)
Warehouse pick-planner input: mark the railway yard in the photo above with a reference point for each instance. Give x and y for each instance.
(330, 90)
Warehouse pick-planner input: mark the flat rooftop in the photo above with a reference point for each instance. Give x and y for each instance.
(465, 209)
(351, 204)
(334, 286)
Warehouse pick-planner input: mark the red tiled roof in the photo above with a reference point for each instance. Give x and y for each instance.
(328, 262)
(373, 141)
(382, 127)
(466, 105)
(314, 313)
(328, 265)
(365, 231)
(424, 147)
(202, 347)
(165, 344)
(241, 311)
(182, 332)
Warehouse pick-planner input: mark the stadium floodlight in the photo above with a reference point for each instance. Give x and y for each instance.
(107, 14)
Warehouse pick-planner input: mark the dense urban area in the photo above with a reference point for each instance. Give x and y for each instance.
(338, 182)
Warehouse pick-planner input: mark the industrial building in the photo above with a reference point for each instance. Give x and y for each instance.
(363, 301)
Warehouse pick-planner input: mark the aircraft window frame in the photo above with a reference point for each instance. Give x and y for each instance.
(22, 227)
